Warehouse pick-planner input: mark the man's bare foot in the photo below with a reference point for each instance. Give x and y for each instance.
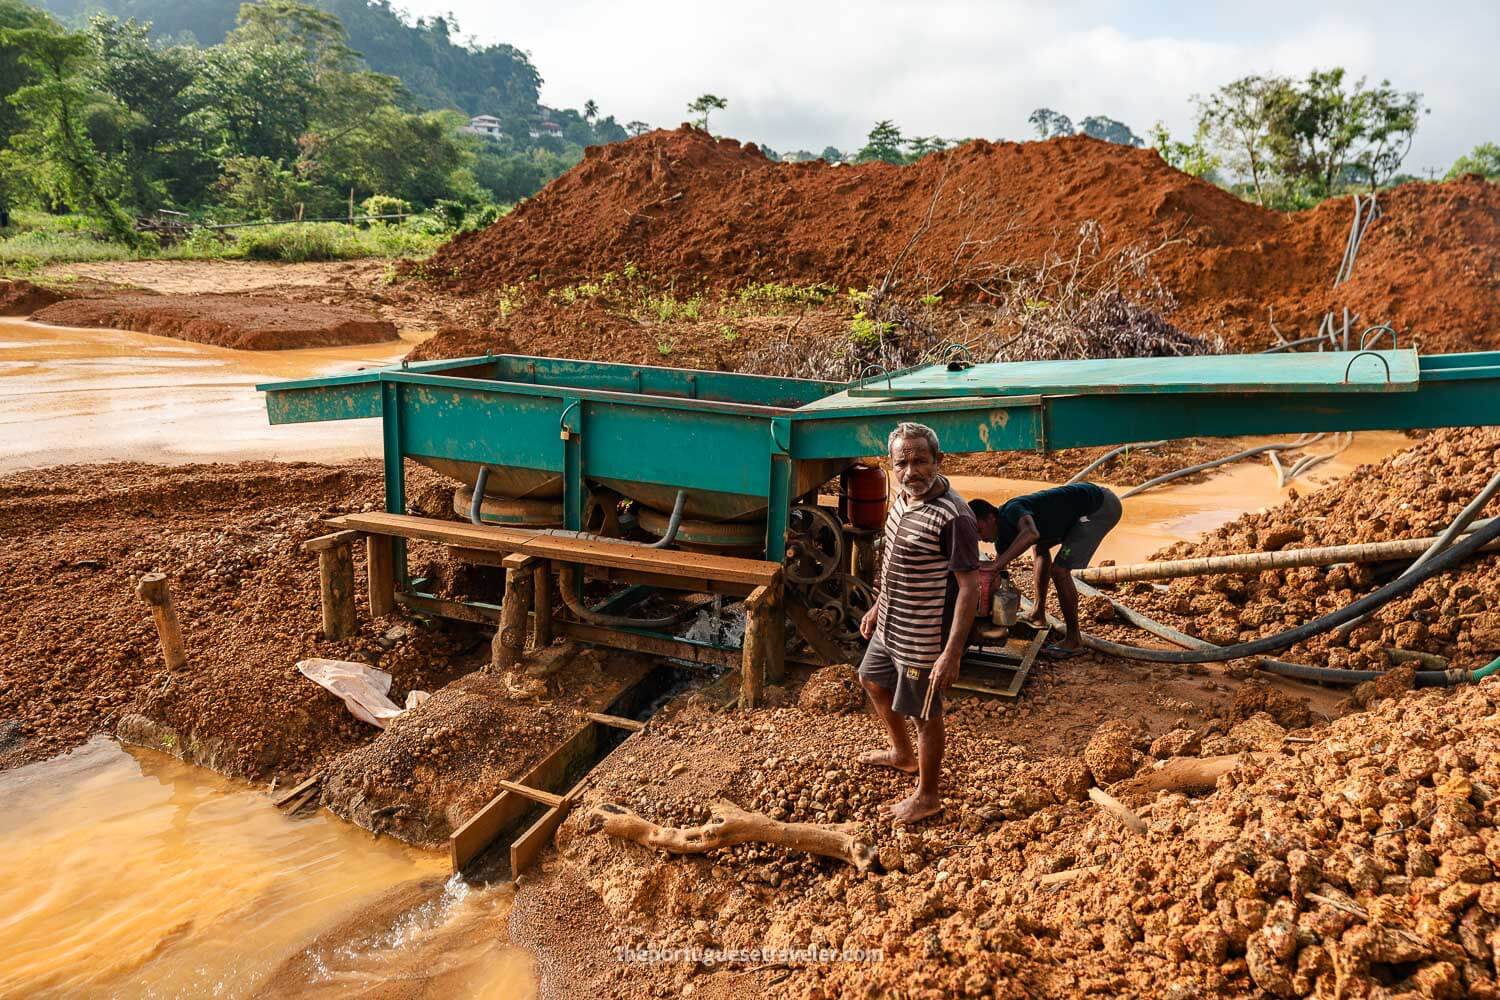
(914, 807)
(889, 758)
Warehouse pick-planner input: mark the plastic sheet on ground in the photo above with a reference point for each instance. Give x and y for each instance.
(363, 688)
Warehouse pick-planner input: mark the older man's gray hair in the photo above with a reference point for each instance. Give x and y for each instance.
(911, 430)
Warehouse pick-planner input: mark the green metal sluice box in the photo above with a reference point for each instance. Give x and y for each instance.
(744, 448)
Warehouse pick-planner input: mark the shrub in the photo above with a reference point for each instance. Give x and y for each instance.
(384, 204)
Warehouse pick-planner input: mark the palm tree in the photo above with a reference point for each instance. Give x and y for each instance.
(590, 110)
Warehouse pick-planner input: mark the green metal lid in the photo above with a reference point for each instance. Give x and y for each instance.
(1333, 371)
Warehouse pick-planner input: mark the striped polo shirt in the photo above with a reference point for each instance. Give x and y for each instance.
(926, 542)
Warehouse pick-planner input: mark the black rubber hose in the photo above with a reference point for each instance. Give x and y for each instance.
(1333, 675)
(567, 581)
(1399, 587)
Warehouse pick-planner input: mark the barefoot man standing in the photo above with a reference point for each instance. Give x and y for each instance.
(920, 623)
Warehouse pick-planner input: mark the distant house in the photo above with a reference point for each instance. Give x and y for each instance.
(483, 125)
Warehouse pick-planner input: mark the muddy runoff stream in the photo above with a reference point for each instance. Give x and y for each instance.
(69, 395)
(129, 873)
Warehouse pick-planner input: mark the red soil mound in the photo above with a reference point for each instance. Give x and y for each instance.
(689, 208)
(22, 298)
(243, 322)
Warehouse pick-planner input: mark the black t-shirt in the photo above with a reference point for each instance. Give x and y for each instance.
(1054, 511)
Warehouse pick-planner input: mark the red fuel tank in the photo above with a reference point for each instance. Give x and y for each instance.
(862, 494)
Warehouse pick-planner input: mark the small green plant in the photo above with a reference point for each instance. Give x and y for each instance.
(775, 295)
(509, 298)
(168, 741)
(728, 333)
(931, 300)
(866, 332)
(666, 345)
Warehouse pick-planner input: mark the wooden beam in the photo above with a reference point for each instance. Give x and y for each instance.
(336, 587)
(662, 581)
(469, 840)
(281, 800)
(753, 653)
(564, 548)
(648, 644)
(525, 848)
(509, 644)
(153, 589)
(325, 542)
(534, 794)
(380, 574)
(541, 601)
(616, 722)
(479, 614)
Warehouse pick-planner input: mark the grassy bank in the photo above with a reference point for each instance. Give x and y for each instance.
(37, 240)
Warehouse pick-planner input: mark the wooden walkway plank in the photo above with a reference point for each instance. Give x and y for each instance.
(563, 548)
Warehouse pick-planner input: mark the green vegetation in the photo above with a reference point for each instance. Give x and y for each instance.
(1484, 160)
(776, 297)
(702, 105)
(279, 118)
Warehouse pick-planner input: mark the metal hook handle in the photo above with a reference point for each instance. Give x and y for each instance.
(562, 419)
(1374, 354)
(1377, 329)
(878, 368)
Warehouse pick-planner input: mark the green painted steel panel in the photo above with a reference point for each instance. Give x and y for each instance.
(718, 452)
(1367, 371)
(1078, 421)
(978, 425)
(681, 383)
(479, 424)
(323, 402)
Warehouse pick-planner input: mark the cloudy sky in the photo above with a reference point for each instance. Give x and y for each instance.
(811, 73)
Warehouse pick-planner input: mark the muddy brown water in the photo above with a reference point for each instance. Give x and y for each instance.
(1185, 511)
(70, 395)
(129, 873)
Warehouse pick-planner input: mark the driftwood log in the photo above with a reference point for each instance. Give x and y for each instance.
(730, 825)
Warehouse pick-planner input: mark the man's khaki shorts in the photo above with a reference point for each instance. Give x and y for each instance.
(909, 685)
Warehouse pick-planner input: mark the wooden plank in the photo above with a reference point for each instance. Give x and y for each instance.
(664, 581)
(325, 542)
(380, 574)
(482, 614)
(469, 840)
(563, 548)
(282, 800)
(525, 848)
(648, 644)
(534, 794)
(753, 655)
(830, 651)
(617, 722)
(541, 603)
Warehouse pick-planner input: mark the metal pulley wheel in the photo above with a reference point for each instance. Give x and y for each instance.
(814, 545)
(839, 603)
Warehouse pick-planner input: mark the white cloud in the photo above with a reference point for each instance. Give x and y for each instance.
(804, 75)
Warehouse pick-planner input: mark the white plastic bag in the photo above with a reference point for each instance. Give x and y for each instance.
(365, 689)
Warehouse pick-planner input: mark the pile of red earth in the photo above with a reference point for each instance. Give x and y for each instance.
(1359, 860)
(238, 321)
(703, 212)
(1415, 493)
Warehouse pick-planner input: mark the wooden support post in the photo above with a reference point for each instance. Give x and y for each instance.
(510, 639)
(336, 584)
(336, 580)
(775, 639)
(152, 589)
(753, 655)
(542, 598)
(381, 574)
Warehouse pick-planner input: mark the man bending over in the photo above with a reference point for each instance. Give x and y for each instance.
(920, 623)
(1075, 519)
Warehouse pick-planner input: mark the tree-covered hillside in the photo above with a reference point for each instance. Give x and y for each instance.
(435, 65)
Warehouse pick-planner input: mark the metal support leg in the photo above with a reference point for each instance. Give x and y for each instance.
(395, 471)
